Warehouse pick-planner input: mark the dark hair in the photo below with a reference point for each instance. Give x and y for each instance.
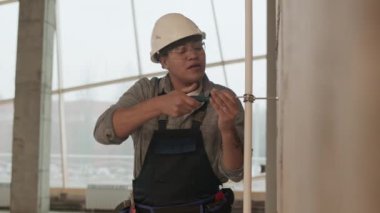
(165, 50)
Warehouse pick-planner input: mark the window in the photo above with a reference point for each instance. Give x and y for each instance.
(8, 49)
(103, 48)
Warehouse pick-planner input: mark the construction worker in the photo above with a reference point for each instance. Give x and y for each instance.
(187, 131)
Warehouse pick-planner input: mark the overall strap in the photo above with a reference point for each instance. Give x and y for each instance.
(199, 116)
(162, 119)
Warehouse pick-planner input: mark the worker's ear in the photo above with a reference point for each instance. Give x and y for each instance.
(163, 62)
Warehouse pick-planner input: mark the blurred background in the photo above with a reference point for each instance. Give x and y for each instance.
(100, 49)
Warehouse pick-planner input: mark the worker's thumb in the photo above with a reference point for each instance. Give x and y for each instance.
(190, 88)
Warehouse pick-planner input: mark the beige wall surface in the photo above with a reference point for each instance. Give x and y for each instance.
(329, 108)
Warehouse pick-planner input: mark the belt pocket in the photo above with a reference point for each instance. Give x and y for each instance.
(221, 205)
(218, 207)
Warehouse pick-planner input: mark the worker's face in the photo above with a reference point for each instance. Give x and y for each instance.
(185, 63)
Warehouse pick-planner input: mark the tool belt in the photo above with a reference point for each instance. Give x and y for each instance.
(221, 202)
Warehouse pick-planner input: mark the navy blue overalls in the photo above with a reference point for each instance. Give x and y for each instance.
(176, 175)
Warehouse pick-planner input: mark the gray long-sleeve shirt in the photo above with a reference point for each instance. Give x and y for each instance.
(145, 89)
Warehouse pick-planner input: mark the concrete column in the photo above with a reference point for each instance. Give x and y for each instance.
(328, 116)
(31, 130)
(271, 152)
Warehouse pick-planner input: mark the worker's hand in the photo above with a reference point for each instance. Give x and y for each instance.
(177, 103)
(225, 104)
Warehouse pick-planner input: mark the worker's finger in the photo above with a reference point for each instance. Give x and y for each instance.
(228, 99)
(217, 103)
(191, 102)
(225, 103)
(216, 97)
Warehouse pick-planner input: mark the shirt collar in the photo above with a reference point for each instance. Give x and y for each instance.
(166, 86)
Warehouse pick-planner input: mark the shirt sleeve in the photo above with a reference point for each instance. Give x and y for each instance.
(104, 131)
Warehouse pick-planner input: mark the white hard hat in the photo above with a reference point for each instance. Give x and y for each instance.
(170, 28)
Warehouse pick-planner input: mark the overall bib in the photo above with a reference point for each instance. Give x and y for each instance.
(176, 169)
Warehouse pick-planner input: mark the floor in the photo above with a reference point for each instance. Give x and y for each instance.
(257, 207)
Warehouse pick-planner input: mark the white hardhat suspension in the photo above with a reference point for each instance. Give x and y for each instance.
(170, 28)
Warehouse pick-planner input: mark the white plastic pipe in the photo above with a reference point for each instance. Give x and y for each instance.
(248, 109)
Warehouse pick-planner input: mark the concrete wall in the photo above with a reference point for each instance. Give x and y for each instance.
(329, 108)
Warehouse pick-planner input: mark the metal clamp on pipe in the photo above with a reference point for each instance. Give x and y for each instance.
(252, 98)
(249, 97)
